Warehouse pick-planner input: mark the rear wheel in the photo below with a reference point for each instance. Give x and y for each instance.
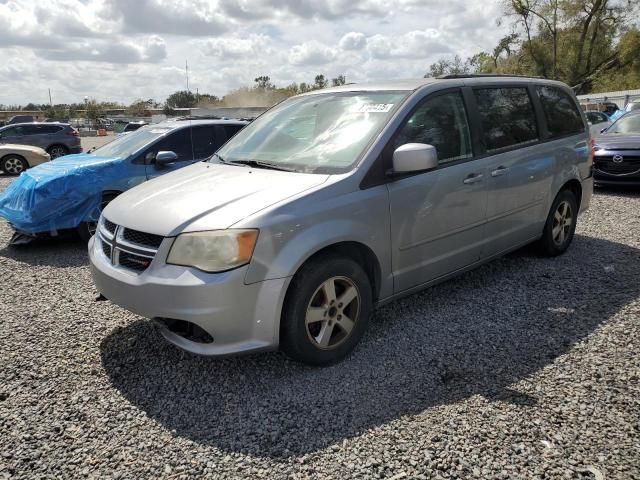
(327, 310)
(57, 151)
(13, 164)
(560, 225)
(86, 230)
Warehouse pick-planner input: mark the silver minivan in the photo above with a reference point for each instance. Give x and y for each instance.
(342, 199)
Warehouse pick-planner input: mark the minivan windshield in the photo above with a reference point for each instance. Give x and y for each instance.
(626, 124)
(130, 143)
(320, 133)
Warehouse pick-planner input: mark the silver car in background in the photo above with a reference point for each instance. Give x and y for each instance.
(341, 199)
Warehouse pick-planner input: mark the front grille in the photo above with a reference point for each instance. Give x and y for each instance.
(629, 164)
(110, 226)
(142, 238)
(126, 248)
(106, 249)
(133, 262)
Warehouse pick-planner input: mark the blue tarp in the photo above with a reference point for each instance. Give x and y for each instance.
(60, 194)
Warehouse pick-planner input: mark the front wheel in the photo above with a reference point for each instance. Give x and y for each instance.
(560, 225)
(86, 230)
(326, 311)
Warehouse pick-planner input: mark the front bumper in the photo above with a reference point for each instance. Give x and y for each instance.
(240, 317)
(626, 180)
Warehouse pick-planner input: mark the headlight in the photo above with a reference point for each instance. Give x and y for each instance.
(214, 251)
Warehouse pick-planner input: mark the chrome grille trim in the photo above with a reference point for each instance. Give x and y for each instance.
(115, 244)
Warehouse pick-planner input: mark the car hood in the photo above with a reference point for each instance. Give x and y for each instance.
(205, 196)
(619, 141)
(12, 147)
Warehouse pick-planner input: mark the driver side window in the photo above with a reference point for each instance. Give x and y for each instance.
(440, 121)
(178, 142)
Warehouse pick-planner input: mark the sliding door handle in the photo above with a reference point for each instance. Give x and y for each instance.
(498, 172)
(473, 178)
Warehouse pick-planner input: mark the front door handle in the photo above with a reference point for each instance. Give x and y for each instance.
(473, 178)
(499, 171)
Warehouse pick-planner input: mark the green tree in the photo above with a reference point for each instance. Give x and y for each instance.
(263, 82)
(320, 82)
(454, 66)
(95, 110)
(181, 99)
(339, 80)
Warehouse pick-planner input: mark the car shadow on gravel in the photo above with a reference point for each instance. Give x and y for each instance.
(54, 252)
(474, 335)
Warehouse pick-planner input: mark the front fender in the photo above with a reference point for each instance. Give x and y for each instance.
(361, 217)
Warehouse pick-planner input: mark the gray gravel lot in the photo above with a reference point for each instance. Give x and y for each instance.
(525, 368)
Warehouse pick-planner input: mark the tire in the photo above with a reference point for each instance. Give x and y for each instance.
(328, 337)
(556, 238)
(13, 164)
(57, 151)
(87, 229)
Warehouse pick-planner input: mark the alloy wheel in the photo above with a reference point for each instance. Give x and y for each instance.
(13, 165)
(56, 152)
(332, 312)
(562, 223)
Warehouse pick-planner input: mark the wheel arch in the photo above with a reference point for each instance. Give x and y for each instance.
(575, 187)
(354, 250)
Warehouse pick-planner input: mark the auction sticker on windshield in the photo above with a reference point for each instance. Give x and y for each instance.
(375, 108)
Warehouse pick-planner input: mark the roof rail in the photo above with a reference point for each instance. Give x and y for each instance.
(484, 75)
(212, 117)
(203, 117)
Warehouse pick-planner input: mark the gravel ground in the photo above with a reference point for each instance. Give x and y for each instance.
(525, 368)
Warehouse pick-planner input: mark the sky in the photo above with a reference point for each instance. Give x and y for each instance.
(123, 50)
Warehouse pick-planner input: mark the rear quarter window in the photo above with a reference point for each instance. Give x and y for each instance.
(507, 117)
(560, 112)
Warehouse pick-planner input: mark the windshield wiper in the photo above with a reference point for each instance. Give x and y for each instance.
(259, 164)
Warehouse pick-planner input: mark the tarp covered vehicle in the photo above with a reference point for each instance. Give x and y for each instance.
(68, 193)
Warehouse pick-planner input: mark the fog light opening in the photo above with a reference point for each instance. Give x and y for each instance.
(187, 330)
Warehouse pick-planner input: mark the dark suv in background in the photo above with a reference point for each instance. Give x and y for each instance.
(56, 138)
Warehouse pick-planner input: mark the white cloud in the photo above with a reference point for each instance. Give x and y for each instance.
(311, 53)
(127, 49)
(353, 41)
(226, 48)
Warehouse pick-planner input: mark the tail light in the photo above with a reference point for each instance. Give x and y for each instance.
(74, 132)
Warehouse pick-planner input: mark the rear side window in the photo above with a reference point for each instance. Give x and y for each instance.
(231, 130)
(442, 122)
(507, 117)
(560, 112)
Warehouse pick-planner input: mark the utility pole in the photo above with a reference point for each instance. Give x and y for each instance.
(50, 102)
(186, 71)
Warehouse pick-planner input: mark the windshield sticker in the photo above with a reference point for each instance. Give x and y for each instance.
(375, 108)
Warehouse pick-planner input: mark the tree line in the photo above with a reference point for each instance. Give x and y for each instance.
(262, 93)
(592, 45)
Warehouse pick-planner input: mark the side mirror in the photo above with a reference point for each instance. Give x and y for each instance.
(414, 157)
(165, 158)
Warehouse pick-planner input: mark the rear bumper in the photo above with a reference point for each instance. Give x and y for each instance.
(76, 149)
(240, 318)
